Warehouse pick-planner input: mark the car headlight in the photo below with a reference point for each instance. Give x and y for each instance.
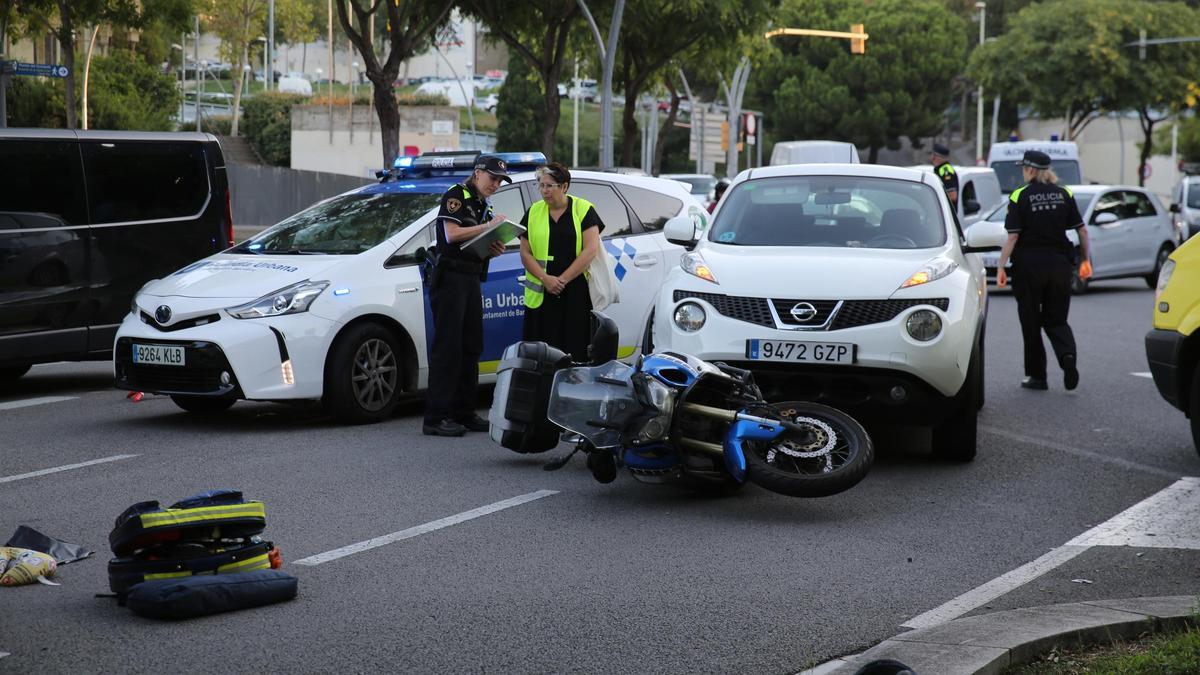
(291, 300)
(690, 317)
(923, 325)
(694, 265)
(1164, 276)
(932, 271)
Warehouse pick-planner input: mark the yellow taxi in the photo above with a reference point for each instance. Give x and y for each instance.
(1173, 346)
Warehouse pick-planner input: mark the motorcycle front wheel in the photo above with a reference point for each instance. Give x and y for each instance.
(830, 454)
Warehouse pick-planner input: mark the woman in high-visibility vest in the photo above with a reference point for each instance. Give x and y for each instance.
(563, 237)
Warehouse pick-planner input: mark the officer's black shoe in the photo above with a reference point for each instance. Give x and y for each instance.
(474, 423)
(1034, 383)
(1070, 372)
(446, 427)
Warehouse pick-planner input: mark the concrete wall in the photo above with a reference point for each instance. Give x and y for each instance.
(265, 195)
(357, 150)
(1100, 151)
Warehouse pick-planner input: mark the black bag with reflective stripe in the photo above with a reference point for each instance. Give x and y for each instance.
(212, 515)
(185, 560)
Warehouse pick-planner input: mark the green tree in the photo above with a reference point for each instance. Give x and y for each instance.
(654, 34)
(409, 26)
(517, 109)
(539, 32)
(237, 23)
(815, 88)
(294, 20)
(127, 93)
(68, 20)
(1163, 83)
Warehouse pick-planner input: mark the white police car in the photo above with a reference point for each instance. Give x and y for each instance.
(329, 304)
(843, 283)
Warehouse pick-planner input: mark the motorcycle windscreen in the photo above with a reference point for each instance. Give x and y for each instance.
(596, 402)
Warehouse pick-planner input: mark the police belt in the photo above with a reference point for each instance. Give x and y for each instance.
(460, 265)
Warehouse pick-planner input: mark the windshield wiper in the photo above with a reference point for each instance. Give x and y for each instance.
(300, 251)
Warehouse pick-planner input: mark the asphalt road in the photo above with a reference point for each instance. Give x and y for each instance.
(592, 578)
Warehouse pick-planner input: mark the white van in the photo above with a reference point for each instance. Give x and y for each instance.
(1064, 160)
(814, 152)
(978, 192)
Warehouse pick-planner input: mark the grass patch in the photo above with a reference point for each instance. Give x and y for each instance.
(1163, 654)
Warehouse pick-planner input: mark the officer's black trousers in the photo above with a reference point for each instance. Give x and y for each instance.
(1043, 293)
(455, 345)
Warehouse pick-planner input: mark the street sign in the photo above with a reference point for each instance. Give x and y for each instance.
(41, 70)
(751, 125)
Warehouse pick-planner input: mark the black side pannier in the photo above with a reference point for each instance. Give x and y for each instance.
(213, 515)
(523, 380)
(199, 596)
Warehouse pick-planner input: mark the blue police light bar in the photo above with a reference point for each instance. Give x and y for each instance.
(460, 162)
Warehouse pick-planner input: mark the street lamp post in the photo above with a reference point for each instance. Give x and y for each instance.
(982, 7)
(269, 75)
(353, 81)
(266, 41)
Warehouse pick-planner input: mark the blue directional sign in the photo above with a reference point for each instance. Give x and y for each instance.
(42, 70)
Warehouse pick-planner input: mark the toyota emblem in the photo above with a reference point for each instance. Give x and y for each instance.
(803, 311)
(163, 314)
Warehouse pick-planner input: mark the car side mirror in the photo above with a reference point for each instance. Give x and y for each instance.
(1105, 218)
(985, 236)
(1175, 208)
(971, 207)
(681, 231)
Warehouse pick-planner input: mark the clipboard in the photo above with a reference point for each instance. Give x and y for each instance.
(503, 232)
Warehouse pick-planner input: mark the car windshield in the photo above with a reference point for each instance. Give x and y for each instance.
(830, 211)
(1082, 201)
(1011, 177)
(345, 225)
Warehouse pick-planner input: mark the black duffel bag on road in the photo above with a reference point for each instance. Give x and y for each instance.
(191, 597)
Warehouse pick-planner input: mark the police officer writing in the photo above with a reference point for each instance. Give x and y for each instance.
(940, 157)
(1039, 215)
(456, 302)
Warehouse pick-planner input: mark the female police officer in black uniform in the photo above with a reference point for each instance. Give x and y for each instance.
(1039, 215)
(456, 302)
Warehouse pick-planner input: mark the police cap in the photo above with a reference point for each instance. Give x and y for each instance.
(493, 165)
(1035, 159)
(939, 149)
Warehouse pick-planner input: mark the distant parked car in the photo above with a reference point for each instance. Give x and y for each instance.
(1130, 232)
(1186, 205)
(295, 85)
(701, 184)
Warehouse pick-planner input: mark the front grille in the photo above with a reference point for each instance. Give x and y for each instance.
(190, 323)
(201, 375)
(865, 312)
(750, 310)
(823, 309)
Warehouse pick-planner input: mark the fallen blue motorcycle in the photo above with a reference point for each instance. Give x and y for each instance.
(672, 418)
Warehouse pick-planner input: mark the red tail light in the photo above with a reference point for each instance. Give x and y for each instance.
(229, 218)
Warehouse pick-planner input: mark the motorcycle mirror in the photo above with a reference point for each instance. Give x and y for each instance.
(605, 337)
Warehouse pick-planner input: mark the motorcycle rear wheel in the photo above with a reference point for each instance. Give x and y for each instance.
(833, 457)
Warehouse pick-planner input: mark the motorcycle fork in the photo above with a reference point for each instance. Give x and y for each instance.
(742, 427)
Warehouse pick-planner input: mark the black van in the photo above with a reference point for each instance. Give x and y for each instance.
(86, 219)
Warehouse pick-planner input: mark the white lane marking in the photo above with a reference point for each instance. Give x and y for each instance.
(4, 654)
(422, 529)
(68, 467)
(1145, 375)
(1078, 452)
(995, 588)
(13, 405)
(1166, 519)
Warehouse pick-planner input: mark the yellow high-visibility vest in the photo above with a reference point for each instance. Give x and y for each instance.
(539, 243)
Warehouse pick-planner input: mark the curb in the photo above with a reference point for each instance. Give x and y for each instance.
(987, 643)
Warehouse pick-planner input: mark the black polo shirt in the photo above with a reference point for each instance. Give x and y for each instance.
(464, 206)
(1042, 213)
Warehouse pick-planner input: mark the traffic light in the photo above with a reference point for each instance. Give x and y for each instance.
(858, 45)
